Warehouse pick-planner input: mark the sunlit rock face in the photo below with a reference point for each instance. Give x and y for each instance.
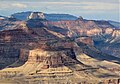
(95, 31)
(108, 31)
(48, 59)
(36, 15)
(2, 18)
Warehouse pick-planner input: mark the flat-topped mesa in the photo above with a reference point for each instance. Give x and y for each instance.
(36, 15)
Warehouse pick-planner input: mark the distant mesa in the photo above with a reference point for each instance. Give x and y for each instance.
(49, 17)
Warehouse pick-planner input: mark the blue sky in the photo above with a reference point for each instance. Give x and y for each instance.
(89, 9)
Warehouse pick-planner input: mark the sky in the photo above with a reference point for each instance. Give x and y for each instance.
(88, 9)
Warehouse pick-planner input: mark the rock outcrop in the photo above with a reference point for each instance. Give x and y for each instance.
(36, 15)
(48, 59)
(80, 18)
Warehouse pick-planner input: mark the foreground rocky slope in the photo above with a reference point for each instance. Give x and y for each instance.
(40, 51)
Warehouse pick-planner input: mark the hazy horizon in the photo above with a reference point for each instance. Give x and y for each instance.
(88, 9)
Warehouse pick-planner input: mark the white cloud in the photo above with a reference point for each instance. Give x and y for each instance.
(19, 5)
(86, 5)
(100, 6)
(14, 5)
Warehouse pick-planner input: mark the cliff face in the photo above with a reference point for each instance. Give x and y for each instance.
(50, 59)
(11, 41)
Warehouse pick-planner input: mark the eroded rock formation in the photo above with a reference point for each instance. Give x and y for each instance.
(36, 15)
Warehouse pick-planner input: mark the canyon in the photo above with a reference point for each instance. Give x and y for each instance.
(37, 50)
